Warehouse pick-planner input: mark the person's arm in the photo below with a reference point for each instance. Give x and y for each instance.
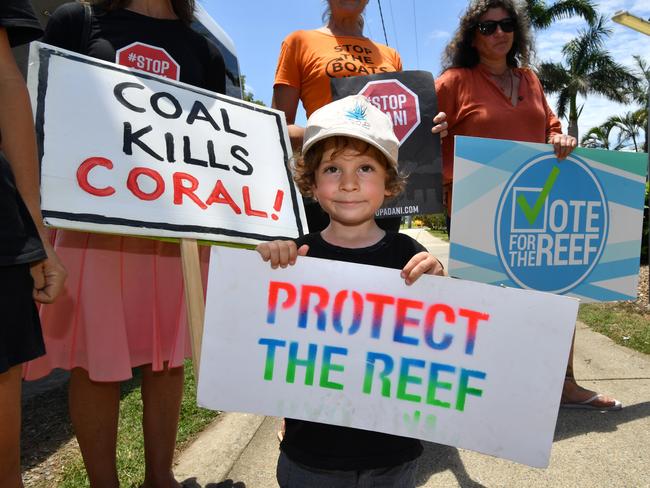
(19, 145)
(64, 27)
(563, 144)
(286, 98)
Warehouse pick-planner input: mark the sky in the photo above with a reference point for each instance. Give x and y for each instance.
(418, 29)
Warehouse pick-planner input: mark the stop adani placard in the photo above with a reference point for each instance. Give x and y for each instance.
(450, 361)
(128, 152)
(407, 98)
(523, 218)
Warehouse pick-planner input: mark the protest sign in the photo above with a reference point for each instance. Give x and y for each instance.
(131, 153)
(409, 98)
(522, 218)
(450, 361)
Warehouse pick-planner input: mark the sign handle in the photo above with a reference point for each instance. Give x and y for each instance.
(194, 300)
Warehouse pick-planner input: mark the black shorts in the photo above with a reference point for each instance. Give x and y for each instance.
(20, 328)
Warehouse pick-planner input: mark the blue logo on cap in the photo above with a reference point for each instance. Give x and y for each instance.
(357, 113)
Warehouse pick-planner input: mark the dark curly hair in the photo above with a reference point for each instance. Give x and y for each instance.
(460, 53)
(306, 166)
(184, 9)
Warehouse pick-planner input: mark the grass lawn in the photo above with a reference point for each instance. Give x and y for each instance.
(130, 449)
(624, 322)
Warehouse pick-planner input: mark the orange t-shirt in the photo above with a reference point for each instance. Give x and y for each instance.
(476, 106)
(308, 59)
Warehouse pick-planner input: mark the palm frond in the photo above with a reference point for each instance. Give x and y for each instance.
(573, 8)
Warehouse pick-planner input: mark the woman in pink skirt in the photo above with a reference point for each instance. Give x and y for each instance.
(123, 306)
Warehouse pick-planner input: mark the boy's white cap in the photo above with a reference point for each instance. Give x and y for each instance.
(355, 117)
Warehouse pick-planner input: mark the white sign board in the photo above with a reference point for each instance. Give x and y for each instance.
(449, 361)
(128, 152)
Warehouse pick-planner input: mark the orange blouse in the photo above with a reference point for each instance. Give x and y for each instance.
(309, 58)
(476, 106)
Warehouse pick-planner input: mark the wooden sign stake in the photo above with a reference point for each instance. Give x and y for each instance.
(194, 298)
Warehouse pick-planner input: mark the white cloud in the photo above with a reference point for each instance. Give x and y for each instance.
(439, 34)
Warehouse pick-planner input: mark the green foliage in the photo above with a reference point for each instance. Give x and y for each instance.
(645, 233)
(248, 95)
(627, 128)
(587, 68)
(542, 15)
(130, 448)
(432, 221)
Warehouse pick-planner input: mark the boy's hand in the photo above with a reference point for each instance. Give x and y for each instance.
(422, 263)
(281, 253)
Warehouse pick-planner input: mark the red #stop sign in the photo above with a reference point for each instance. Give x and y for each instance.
(148, 58)
(398, 102)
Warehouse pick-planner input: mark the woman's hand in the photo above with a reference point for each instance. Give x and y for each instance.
(281, 253)
(562, 144)
(422, 263)
(440, 124)
(49, 276)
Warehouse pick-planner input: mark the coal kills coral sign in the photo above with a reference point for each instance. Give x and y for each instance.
(132, 153)
(410, 101)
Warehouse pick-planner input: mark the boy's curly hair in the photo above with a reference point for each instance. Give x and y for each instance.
(307, 164)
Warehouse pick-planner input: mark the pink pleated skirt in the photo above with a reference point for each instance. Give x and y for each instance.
(123, 307)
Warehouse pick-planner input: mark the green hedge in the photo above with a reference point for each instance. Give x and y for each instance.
(433, 221)
(644, 235)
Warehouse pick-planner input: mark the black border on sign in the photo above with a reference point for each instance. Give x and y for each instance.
(45, 54)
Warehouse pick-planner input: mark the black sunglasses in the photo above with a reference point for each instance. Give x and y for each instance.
(489, 27)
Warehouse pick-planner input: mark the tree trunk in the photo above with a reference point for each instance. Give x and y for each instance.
(573, 118)
(573, 127)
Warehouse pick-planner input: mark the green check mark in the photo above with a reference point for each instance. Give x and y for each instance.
(532, 213)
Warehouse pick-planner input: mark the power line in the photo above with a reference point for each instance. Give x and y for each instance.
(381, 14)
(415, 32)
(392, 16)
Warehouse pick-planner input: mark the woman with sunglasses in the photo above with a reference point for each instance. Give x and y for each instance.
(488, 90)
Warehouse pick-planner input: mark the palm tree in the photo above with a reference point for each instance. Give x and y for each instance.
(587, 69)
(642, 93)
(627, 127)
(630, 125)
(542, 16)
(597, 137)
(642, 90)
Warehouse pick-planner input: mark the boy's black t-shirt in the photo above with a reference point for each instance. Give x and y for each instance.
(19, 241)
(199, 61)
(332, 447)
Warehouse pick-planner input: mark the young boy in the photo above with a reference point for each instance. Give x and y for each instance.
(349, 166)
